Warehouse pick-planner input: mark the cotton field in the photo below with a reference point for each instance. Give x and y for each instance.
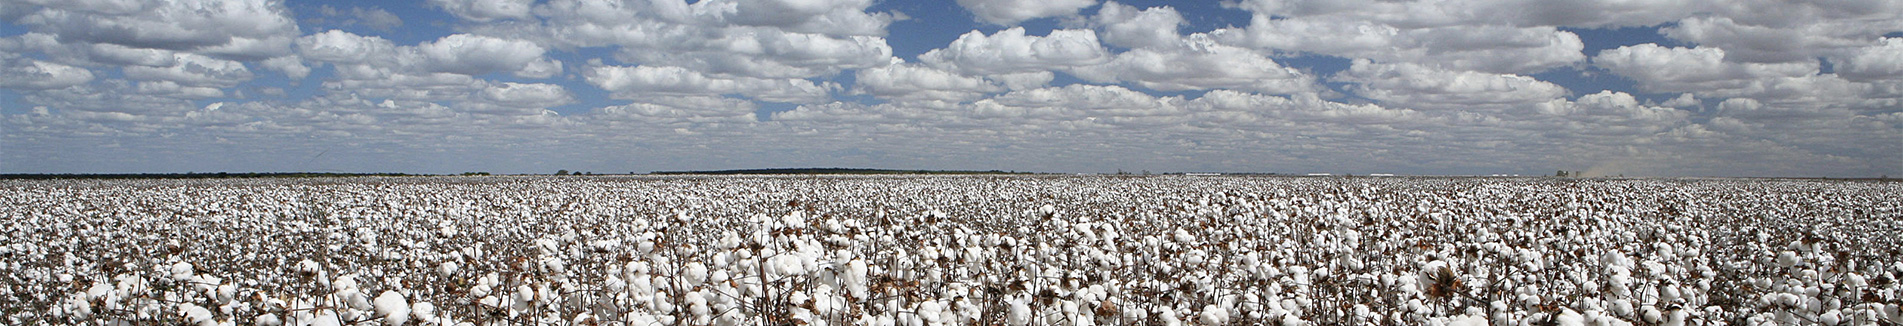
(934, 250)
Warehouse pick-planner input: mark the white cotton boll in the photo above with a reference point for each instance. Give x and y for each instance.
(344, 282)
(931, 312)
(1020, 314)
(195, 314)
(1466, 320)
(1787, 259)
(695, 273)
(446, 269)
(308, 267)
(1830, 318)
(227, 292)
(394, 309)
(1855, 281)
(267, 320)
(480, 290)
(423, 311)
(182, 271)
(1651, 314)
(324, 318)
(1568, 317)
(1668, 293)
(1213, 315)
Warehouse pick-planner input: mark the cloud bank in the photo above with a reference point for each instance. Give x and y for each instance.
(1670, 87)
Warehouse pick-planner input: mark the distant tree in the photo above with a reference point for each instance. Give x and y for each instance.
(561, 172)
(1562, 174)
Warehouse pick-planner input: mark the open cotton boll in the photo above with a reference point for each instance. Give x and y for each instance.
(1787, 259)
(181, 271)
(423, 311)
(1019, 315)
(695, 273)
(267, 320)
(195, 314)
(1466, 320)
(1213, 315)
(446, 269)
(393, 308)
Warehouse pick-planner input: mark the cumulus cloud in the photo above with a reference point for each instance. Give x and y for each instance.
(903, 81)
(644, 81)
(1011, 51)
(374, 18)
(1609, 112)
(1880, 62)
(1199, 64)
(86, 54)
(194, 70)
(486, 10)
(1677, 69)
(1126, 26)
(1011, 12)
(245, 29)
(22, 73)
(1486, 48)
(475, 55)
(1415, 85)
(446, 68)
(340, 47)
(767, 39)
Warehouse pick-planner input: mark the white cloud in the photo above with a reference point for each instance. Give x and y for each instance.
(486, 10)
(1010, 51)
(1609, 112)
(374, 18)
(475, 55)
(527, 95)
(1011, 12)
(167, 88)
(1415, 85)
(245, 29)
(768, 53)
(903, 81)
(194, 70)
(1703, 69)
(686, 109)
(829, 17)
(647, 81)
(1125, 26)
(1486, 48)
(1522, 13)
(1198, 64)
(1880, 62)
(340, 47)
(291, 66)
(22, 73)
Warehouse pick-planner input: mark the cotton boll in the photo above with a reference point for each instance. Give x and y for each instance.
(195, 314)
(1787, 259)
(1830, 318)
(423, 311)
(181, 271)
(393, 308)
(1466, 320)
(1213, 315)
(695, 273)
(1020, 314)
(267, 320)
(446, 269)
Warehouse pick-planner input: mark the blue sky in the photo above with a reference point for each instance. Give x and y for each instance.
(1673, 88)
